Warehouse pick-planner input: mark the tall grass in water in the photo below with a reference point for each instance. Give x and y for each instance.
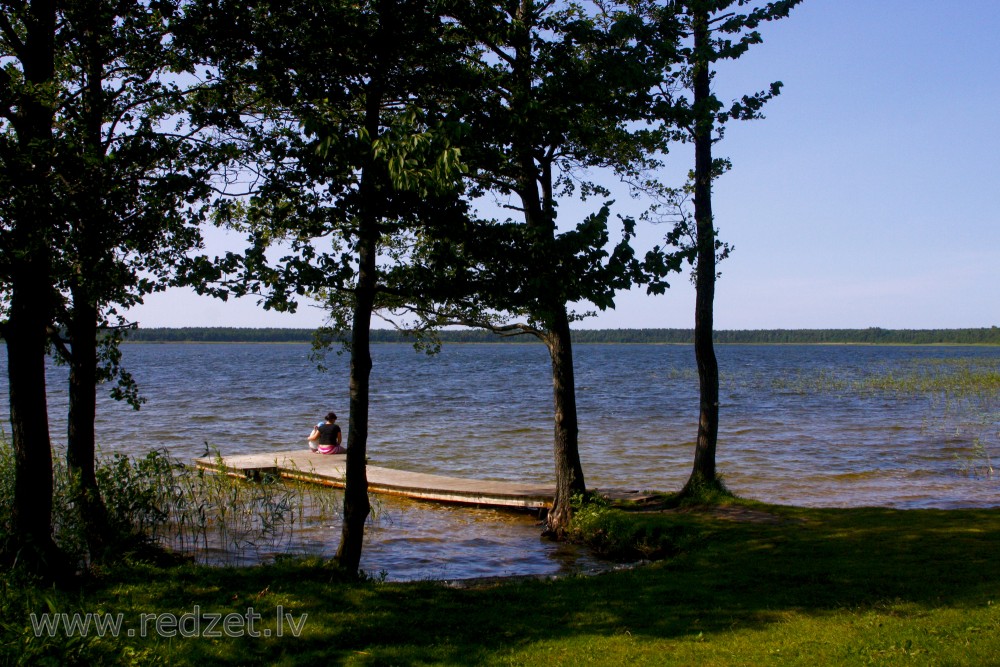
(962, 399)
(214, 519)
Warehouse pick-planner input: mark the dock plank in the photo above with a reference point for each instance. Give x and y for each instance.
(329, 470)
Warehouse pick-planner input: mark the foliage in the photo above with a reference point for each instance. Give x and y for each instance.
(131, 163)
(712, 32)
(700, 491)
(137, 492)
(104, 170)
(66, 523)
(6, 486)
(615, 534)
(343, 136)
(561, 96)
(353, 155)
(21, 596)
(138, 161)
(538, 135)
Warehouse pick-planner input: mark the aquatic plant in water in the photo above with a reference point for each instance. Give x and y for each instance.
(978, 464)
(961, 398)
(211, 518)
(214, 517)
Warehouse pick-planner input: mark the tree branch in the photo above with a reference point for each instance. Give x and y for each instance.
(59, 343)
(11, 35)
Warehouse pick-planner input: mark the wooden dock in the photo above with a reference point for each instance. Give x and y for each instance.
(329, 470)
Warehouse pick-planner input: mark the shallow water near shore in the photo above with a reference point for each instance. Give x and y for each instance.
(807, 425)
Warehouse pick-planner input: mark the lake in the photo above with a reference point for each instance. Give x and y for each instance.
(806, 425)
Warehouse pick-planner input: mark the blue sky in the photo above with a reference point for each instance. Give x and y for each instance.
(869, 196)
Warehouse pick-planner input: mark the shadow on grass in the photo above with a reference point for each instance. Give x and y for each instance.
(731, 574)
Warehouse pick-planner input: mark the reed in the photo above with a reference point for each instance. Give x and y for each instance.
(965, 377)
(978, 463)
(210, 517)
(156, 500)
(960, 400)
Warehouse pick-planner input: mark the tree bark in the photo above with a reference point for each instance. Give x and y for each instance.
(535, 190)
(90, 222)
(25, 335)
(704, 471)
(357, 506)
(356, 503)
(569, 470)
(81, 441)
(30, 283)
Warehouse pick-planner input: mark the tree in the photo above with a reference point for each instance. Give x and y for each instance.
(561, 88)
(103, 169)
(354, 154)
(30, 222)
(134, 164)
(716, 33)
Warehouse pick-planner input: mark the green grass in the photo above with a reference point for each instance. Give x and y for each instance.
(794, 586)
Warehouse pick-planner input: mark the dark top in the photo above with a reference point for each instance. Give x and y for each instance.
(327, 434)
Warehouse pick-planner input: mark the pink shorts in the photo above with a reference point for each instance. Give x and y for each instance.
(330, 449)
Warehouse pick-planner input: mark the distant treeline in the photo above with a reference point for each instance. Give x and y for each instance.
(873, 335)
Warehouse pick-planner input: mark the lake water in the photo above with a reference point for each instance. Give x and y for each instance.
(799, 424)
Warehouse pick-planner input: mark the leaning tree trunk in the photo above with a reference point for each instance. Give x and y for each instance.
(703, 471)
(569, 470)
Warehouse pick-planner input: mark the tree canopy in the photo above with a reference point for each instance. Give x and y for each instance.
(410, 158)
(105, 168)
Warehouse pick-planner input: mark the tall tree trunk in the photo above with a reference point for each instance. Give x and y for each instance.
(89, 220)
(81, 440)
(569, 470)
(356, 503)
(357, 506)
(31, 300)
(704, 471)
(25, 335)
(536, 194)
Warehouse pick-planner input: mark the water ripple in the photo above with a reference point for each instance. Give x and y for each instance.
(799, 424)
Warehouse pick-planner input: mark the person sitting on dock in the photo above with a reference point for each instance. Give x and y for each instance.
(326, 437)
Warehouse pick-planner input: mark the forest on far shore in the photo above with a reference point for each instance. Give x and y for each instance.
(870, 336)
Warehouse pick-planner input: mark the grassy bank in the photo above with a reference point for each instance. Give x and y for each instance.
(743, 585)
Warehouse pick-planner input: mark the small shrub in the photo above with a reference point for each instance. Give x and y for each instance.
(67, 529)
(624, 536)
